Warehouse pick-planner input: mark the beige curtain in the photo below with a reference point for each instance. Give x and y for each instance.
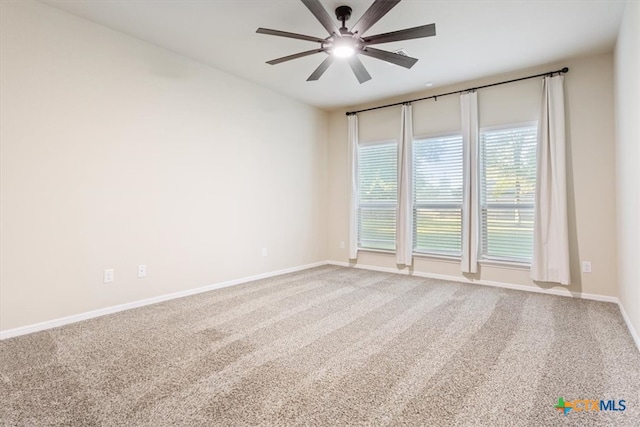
(470, 198)
(353, 201)
(404, 222)
(550, 261)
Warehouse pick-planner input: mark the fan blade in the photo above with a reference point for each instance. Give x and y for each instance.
(289, 35)
(378, 9)
(295, 56)
(321, 15)
(394, 58)
(321, 69)
(358, 69)
(407, 34)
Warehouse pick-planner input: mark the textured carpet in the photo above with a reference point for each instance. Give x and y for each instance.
(329, 346)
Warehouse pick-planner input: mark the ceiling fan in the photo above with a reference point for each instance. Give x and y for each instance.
(342, 43)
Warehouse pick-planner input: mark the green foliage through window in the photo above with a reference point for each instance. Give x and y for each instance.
(437, 195)
(507, 183)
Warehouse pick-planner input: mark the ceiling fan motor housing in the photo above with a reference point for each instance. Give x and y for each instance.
(343, 13)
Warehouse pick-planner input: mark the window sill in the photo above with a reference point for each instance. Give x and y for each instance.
(512, 265)
(377, 251)
(445, 258)
(451, 259)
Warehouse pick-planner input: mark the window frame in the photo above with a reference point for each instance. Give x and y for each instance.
(514, 262)
(385, 205)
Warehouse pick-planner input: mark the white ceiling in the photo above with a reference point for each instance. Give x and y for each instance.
(474, 39)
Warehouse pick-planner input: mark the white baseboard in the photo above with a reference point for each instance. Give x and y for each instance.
(23, 330)
(632, 330)
(560, 292)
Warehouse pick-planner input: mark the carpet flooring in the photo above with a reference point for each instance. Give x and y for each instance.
(329, 346)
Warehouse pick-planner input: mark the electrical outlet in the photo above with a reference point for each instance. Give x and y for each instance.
(342, 245)
(586, 266)
(108, 275)
(264, 251)
(142, 270)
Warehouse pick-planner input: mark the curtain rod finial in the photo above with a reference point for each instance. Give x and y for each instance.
(565, 70)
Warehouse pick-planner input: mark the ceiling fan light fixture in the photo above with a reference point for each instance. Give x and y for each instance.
(343, 47)
(343, 51)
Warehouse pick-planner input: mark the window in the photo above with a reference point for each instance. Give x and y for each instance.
(377, 195)
(507, 192)
(437, 195)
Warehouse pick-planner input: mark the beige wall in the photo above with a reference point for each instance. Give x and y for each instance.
(627, 60)
(590, 124)
(117, 153)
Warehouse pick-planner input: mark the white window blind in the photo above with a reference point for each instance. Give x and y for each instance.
(377, 195)
(437, 195)
(507, 192)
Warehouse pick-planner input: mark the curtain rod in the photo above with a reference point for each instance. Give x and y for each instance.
(550, 73)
